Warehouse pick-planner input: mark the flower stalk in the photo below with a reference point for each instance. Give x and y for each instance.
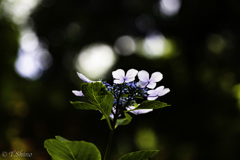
(109, 144)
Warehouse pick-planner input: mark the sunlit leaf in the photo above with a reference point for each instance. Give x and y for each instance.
(97, 95)
(135, 105)
(139, 155)
(63, 149)
(152, 105)
(84, 105)
(98, 98)
(124, 121)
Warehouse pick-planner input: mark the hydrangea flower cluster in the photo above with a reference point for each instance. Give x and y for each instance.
(114, 102)
(126, 91)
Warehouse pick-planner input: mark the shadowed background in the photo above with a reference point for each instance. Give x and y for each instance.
(195, 44)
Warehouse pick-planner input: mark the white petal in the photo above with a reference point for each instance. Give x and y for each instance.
(129, 79)
(142, 84)
(77, 93)
(111, 116)
(141, 111)
(166, 90)
(130, 107)
(84, 78)
(152, 97)
(151, 85)
(118, 74)
(162, 92)
(117, 81)
(156, 77)
(131, 73)
(152, 93)
(159, 89)
(143, 76)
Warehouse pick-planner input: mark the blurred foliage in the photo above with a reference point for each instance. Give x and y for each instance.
(203, 121)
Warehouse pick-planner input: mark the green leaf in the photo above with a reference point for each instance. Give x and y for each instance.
(97, 95)
(139, 155)
(98, 99)
(124, 121)
(152, 105)
(135, 105)
(84, 105)
(63, 149)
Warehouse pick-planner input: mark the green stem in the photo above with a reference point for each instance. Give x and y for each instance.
(110, 138)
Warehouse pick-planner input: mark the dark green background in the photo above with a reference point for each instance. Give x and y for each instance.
(203, 121)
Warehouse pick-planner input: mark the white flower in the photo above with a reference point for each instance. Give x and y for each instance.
(120, 76)
(143, 76)
(160, 91)
(77, 93)
(139, 111)
(84, 78)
